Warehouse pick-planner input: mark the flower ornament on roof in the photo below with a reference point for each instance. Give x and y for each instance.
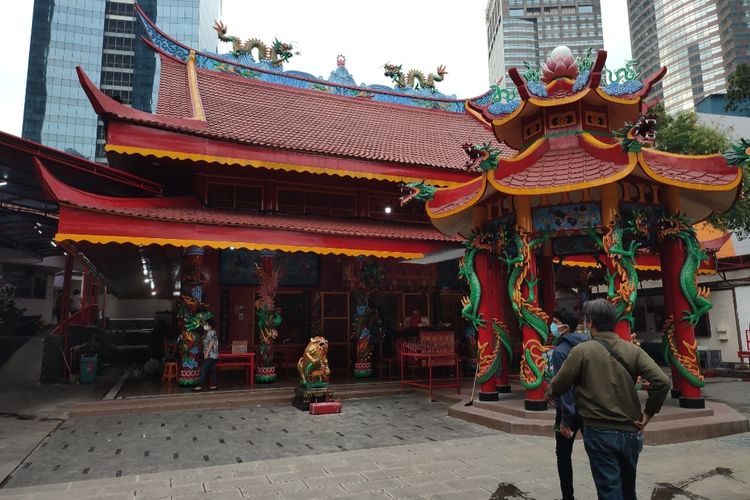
(560, 64)
(340, 61)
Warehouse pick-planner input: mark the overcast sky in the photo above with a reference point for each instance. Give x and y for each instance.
(415, 33)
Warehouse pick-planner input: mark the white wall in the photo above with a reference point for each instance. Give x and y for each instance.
(42, 307)
(135, 308)
(721, 317)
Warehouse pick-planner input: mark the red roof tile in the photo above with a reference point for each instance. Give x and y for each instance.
(278, 116)
(561, 167)
(707, 170)
(299, 223)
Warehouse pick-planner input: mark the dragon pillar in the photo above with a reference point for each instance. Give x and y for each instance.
(192, 313)
(681, 257)
(522, 288)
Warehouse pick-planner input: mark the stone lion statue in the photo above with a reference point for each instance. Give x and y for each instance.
(313, 365)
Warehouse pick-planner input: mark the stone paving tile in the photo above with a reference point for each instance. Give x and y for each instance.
(210, 495)
(472, 494)
(315, 493)
(376, 485)
(418, 490)
(385, 473)
(331, 480)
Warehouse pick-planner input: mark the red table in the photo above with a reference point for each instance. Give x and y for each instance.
(430, 383)
(239, 360)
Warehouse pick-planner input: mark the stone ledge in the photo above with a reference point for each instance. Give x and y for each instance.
(675, 425)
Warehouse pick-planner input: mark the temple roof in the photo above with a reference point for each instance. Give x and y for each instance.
(274, 117)
(182, 221)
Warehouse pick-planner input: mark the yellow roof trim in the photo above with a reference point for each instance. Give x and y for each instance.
(288, 167)
(352, 252)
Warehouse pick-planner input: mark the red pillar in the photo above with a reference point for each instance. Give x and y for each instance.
(667, 269)
(502, 380)
(674, 252)
(485, 266)
(65, 309)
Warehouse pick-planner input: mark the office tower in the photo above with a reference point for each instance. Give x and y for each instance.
(699, 41)
(528, 30)
(104, 38)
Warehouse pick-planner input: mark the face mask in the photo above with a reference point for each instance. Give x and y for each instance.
(555, 330)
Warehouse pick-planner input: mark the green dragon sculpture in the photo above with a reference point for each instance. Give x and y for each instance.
(532, 74)
(481, 157)
(419, 191)
(623, 74)
(500, 94)
(414, 79)
(586, 61)
(634, 136)
(738, 154)
(620, 241)
(676, 226)
(528, 314)
(686, 364)
(277, 54)
(470, 304)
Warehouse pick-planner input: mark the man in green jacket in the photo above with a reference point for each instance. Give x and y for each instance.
(603, 371)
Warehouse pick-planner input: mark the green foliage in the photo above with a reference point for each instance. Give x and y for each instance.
(738, 89)
(683, 134)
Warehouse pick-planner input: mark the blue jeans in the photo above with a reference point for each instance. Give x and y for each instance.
(208, 367)
(613, 456)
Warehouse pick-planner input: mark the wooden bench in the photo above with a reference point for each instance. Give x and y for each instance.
(244, 360)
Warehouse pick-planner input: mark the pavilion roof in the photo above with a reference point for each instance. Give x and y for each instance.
(568, 163)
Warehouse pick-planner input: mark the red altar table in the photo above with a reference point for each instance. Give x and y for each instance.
(430, 359)
(244, 360)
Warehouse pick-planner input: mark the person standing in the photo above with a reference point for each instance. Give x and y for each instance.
(604, 372)
(567, 420)
(210, 356)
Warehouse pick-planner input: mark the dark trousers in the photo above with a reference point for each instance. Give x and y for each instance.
(613, 456)
(564, 452)
(208, 367)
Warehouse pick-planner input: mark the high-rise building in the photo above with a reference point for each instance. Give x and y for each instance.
(521, 31)
(699, 41)
(102, 36)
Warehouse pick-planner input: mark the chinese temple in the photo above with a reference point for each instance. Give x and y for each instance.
(287, 207)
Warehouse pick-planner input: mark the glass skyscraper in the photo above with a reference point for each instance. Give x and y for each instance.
(699, 41)
(521, 31)
(103, 37)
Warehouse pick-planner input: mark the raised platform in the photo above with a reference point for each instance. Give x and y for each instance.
(672, 425)
(225, 399)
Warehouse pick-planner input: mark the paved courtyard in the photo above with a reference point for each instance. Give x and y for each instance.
(110, 446)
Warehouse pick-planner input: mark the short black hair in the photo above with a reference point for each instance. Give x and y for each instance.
(210, 322)
(567, 317)
(601, 313)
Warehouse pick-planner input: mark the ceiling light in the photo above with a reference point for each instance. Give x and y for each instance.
(145, 273)
(53, 243)
(3, 183)
(39, 231)
(153, 292)
(176, 293)
(387, 210)
(146, 280)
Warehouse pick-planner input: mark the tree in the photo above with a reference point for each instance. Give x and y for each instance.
(738, 89)
(684, 135)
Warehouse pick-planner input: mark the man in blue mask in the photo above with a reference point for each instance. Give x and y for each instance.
(567, 420)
